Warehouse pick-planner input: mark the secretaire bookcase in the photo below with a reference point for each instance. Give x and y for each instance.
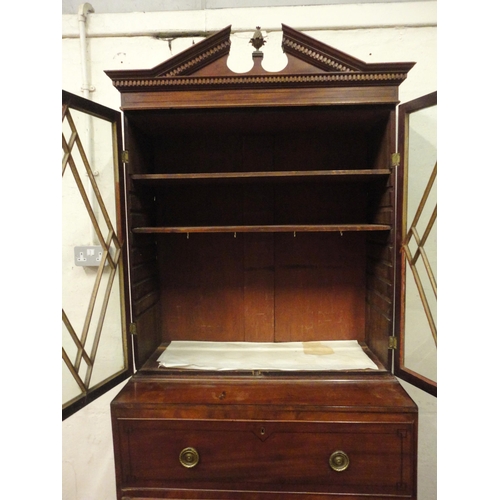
(263, 215)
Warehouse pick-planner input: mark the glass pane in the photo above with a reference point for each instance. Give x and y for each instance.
(420, 340)
(420, 349)
(93, 341)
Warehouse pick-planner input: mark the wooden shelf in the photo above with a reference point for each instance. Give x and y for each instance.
(263, 229)
(365, 174)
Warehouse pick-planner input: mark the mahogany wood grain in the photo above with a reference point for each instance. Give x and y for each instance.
(340, 228)
(319, 289)
(266, 435)
(199, 99)
(259, 285)
(324, 175)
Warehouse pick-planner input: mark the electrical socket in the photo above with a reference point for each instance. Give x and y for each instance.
(88, 256)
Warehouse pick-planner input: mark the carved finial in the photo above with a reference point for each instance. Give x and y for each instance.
(258, 40)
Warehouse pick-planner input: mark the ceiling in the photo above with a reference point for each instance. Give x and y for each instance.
(117, 6)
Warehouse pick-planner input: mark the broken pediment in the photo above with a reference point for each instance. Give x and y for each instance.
(310, 63)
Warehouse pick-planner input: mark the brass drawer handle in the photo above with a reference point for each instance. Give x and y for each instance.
(339, 461)
(189, 457)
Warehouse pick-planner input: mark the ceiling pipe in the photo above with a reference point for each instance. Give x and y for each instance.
(83, 11)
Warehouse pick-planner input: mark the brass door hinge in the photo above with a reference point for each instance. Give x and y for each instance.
(124, 156)
(395, 159)
(393, 343)
(133, 328)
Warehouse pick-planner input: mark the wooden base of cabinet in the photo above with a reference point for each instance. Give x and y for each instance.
(265, 438)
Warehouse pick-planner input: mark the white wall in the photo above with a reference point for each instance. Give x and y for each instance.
(371, 32)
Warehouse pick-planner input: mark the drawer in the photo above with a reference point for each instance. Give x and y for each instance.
(269, 456)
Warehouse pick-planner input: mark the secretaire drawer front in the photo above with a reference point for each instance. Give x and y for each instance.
(352, 458)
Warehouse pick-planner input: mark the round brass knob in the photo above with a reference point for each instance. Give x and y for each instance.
(189, 457)
(339, 461)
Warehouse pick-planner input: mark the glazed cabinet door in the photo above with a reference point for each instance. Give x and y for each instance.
(416, 307)
(95, 349)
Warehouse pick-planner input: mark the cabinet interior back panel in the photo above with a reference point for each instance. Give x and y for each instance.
(263, 287)
(261, 139)
(262, 203)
